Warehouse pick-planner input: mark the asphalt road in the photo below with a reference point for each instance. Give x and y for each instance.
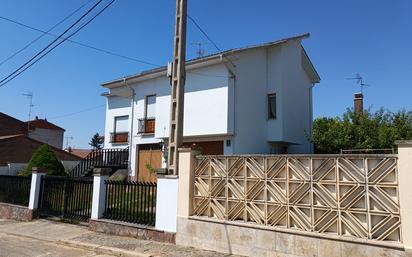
(14, 246)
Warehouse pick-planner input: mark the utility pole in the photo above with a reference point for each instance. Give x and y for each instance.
(178, 87)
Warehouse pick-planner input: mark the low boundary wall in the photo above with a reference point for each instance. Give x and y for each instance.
(297, 205)
(15, 212)
(131, 230)
(257, 240)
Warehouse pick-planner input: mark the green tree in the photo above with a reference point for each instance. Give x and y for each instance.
(369, 130)
(96, 142)
(45, 158)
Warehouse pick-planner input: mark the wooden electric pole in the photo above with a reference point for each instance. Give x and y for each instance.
(178, 87)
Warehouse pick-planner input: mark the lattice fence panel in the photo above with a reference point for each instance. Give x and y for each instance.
(355, 196)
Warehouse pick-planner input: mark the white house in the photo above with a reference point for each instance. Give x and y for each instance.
(252, 100)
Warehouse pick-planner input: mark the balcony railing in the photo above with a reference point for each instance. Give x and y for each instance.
(146, 126)
(119, 137)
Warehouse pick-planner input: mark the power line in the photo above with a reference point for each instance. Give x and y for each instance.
(77, 112)
(8, 79)
(83, 44)
(102, 50)
(204, 33)
(45, 48)
(208, 37)
(42, 35)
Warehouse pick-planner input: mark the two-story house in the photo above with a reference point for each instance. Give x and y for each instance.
(252, 100)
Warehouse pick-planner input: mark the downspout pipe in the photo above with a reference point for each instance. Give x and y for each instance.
(129, 162)
(312, 147)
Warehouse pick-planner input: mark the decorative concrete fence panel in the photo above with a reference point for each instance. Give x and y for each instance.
(355, 196)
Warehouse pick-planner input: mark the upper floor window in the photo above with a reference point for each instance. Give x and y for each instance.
(148, 123)
(272, 106)
(120, 131)
(150, 106)
(121, 124)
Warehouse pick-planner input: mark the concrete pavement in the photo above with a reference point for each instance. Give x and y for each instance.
(50, 238)
(13, 246)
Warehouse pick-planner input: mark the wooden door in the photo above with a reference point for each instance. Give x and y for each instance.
(152, 158)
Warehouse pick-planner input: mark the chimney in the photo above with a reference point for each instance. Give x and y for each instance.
(358, 103)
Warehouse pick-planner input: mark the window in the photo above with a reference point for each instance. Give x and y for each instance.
(271, 106)
(120, 131)
(147, 124)
(150, 108)
(121, 124)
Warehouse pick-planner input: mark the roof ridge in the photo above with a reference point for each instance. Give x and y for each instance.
(205, 58)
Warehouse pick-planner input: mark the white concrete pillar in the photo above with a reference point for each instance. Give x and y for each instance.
(187, 164)
(166, 202)
(100, 175)
(405, 190)
(37, 174)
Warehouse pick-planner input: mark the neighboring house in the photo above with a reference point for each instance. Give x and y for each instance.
(253, 100)
(19, 140)
(44, 131)
(39, 129)
(17, 150)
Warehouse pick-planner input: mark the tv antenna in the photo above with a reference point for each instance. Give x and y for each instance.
(200, 51)
(29, 95)
(67, 141)
(359, 81)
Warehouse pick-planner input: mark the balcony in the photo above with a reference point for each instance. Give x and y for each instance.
(146, 126)
(119, 137)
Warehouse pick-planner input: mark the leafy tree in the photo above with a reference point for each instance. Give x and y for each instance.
(96, 142)
(45, 158)
(363, 131)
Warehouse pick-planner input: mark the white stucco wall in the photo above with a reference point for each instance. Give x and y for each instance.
(250, 103)
(166, 204)
(296, 109)
(205, 112)
(260, 72)
(116, 106)
(50, 136)
(218, 104)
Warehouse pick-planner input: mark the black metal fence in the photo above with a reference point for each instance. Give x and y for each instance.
(131, 201)
(102, 157)
(67, 198)
(15, 190)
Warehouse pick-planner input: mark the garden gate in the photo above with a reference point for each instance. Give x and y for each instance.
(66, 197)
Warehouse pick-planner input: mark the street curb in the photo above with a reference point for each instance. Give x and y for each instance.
(102, 249)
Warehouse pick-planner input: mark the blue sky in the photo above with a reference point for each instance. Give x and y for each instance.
(366, 36)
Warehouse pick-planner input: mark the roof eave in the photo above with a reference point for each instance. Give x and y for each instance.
(196, 63)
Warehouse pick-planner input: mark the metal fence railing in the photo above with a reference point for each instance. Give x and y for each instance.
(15, 190)
(65, 197)
(103, 158)
(131, 201)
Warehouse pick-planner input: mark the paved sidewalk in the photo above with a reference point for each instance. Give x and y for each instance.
(77, 238)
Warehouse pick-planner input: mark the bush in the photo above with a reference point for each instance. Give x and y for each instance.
(45, 158)
(369, 130)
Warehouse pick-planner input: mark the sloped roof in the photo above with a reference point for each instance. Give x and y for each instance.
(20, 148)
(11, 126)
(44, 124)
(82, 153)
(204, 59)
